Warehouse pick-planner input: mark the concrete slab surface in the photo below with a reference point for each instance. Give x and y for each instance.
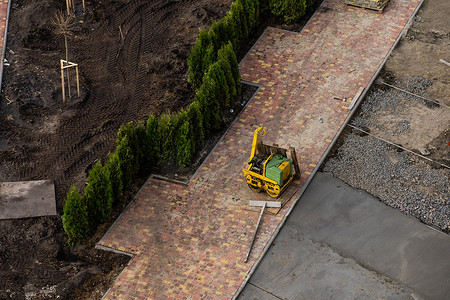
(359, 226)
(25, 199)
(296, 267)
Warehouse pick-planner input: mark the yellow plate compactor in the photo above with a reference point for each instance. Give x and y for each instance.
(268, 168)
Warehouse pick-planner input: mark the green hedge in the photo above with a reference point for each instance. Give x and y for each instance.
(235, 27)
(213, 72)
(290, 11)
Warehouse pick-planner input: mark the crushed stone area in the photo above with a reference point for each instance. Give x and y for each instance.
(398, 179)
(385, 101)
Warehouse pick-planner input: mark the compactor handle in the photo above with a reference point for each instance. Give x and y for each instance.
(259, 132)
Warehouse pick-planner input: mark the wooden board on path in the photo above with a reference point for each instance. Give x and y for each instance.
(285, 197)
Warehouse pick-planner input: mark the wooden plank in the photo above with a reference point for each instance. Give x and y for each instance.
(355, 98)
(268, 203)
(295, 162)
(285, 197)
(444, 62)
(366, 5)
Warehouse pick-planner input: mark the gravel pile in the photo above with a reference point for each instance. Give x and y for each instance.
(385, 102)
(398, 179)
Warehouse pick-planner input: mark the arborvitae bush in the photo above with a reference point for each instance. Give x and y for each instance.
(195, 60)
(115, 176)
(289, 10)
(167, 127)
(226, 67)
(222, 91)
(209, 105)
(250, 13)
(209, 58)
(229, 29)
(183, 140)
(195, 119)
(257, 8)
(229, 54)
(137, 138)
(141, 143)
(238, 24)
(264, 8)
(152, 139)
(126, 158)
(184, 145)
(219, 33)
(98, 195)
(75, 218)
(294, 10)
(244, 22)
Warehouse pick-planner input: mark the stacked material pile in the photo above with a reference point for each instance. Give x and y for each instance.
(378, 5)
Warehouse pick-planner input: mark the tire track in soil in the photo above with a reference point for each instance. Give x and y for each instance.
(131, 68)
(77, 146)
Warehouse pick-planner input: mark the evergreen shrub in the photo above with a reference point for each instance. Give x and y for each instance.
(115, 176)
(195, 59)
(75, 217)
(151, 132)
(195, 119)
(183, 140)
(126, 159)
(98, 195)
(167, 127)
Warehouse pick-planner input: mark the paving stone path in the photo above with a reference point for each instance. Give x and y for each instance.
(191, 241)
(4, 7)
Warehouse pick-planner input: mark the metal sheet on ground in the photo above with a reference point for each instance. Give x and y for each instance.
(24, 199)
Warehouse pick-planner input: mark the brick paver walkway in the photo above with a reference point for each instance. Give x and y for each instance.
(4, 6)
(190, 242)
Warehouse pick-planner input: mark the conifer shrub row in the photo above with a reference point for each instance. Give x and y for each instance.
(235, 27)
(290, 11)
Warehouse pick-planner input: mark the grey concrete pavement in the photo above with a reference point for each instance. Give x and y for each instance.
(333, 230)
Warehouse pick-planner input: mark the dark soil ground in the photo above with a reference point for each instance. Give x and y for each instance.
(132, 59)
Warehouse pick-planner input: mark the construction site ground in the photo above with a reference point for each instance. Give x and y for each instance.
(191, 240)
(43, 139)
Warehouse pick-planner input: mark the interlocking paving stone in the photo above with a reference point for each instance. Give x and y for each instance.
(4, 6)
(190, 242)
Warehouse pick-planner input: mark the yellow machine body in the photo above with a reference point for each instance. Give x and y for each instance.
(270, 173)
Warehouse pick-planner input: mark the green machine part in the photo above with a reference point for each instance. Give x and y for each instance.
(275, 168)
